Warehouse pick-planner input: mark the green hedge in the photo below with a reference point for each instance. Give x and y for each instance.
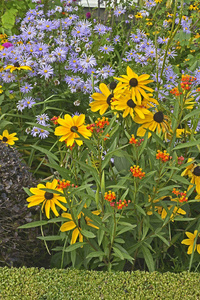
(57, 284)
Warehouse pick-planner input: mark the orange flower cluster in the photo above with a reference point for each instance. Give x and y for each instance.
(137, 171)
(54, 120)
(186, 81)
(181, 195)
(164, 156)
(123, 203)
(175, 92)
(109, 196)
(134, 141)
(63, 184)
(98, 125)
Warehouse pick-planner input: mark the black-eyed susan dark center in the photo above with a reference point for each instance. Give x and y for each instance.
(130, 103)
(16, 65)
(113, 85)
(109, 99)
(133, 82)
(4, 139)
(158, 117)
(167, 198)
(198, 240)
(74, 128)
(196, 171)
(48, 196)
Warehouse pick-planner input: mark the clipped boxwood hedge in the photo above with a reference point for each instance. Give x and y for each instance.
(54, 284)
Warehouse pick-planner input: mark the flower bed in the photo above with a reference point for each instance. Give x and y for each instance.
(106, 114)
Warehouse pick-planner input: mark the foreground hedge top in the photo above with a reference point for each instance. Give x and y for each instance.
(55, 284)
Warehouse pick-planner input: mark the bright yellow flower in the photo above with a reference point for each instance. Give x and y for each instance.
(136, 84)
(190, 241)
(102, 101)
(157, 122)
(48, 199)
(129, 107)
(77, 229)
(17, 66)
(8, 138)
(70, 127)
(1, 91)
(193, 172)
(161, 210)
(188, 169)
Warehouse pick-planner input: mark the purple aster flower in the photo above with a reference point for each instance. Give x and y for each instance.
(60, 54)
(46, 71)
(42, 119)
(119, 11)
(35, 131)
(106, 49)
(105, 72)
(43, 134)
(116, 39)
(144, 13)
(26, 88)
(100, 29)
(150, 3)
(87, 61)
(29, 101)
(21, 105)
(171, 53)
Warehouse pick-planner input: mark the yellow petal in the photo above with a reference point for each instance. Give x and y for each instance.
(67, 226)
(52, 205)
(75, 234)
(104, 89)
(66, 215)
(47, 209)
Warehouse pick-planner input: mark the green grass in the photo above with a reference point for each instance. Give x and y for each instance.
(54, 284)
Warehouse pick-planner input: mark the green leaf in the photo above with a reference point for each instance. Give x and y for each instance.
(162, 239)
(33, 224)
(148, 258)
(118, 253)
(95, 254)
(191, 114)
(45, 151)
(88, 234)
(1, 98)
(100, 235)
(74, 246)
(187, 145)
(58, 219)
(66, 174)
(8, 19)
(50, 238)
(4, 123)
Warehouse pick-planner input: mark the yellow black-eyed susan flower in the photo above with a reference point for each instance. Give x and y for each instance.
(162, 211)
(76, 228)
(136, 84)
(17, 66)
(193, 172)
(70, 127)
(190, 241)
(103, 100)
(129, 107)
(48, 199)
(156, 122)
(8, 138)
